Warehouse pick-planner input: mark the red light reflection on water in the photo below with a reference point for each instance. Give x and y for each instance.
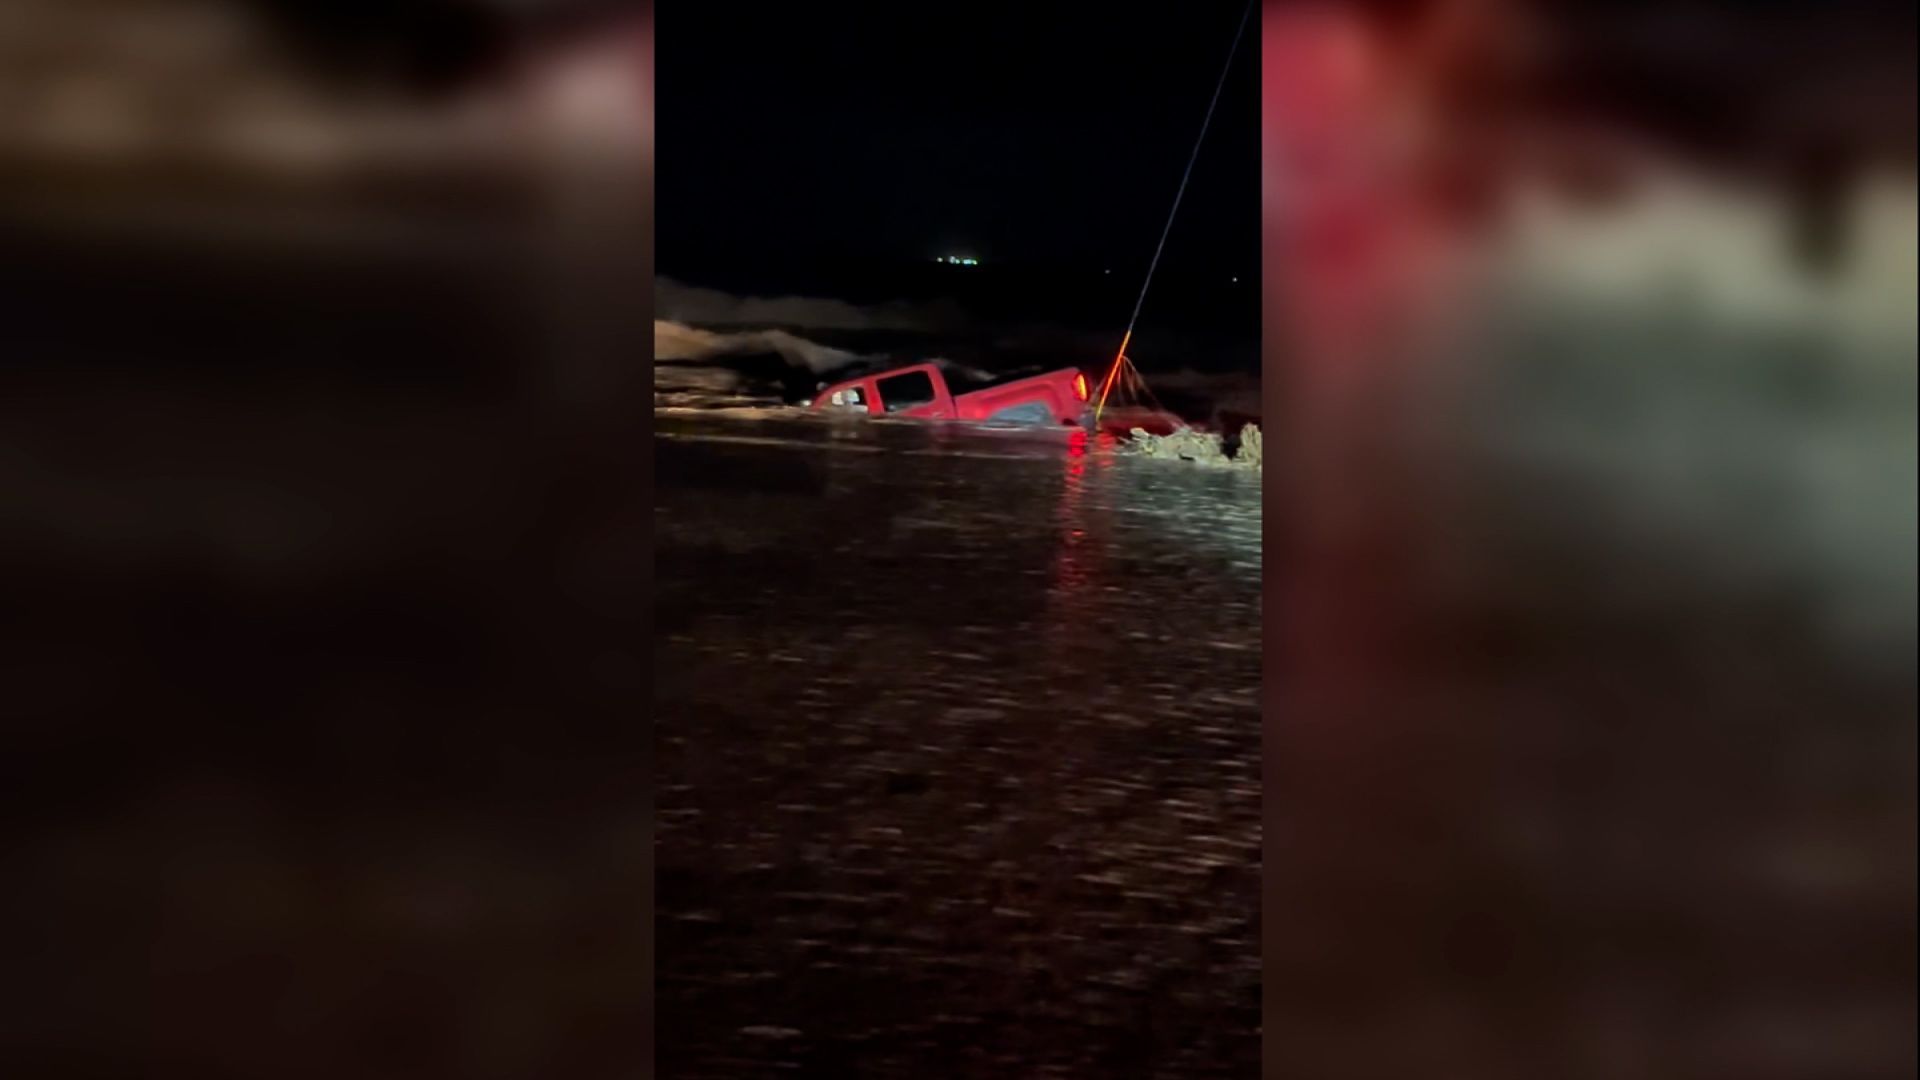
(1076, 559)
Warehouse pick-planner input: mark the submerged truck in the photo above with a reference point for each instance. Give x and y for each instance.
(920, 391)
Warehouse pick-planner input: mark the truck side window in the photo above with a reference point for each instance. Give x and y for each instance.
(853, 397)
(907, 391)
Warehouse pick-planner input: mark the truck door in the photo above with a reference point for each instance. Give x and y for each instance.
(913, 393)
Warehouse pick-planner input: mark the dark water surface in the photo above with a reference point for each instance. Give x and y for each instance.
(959, 755)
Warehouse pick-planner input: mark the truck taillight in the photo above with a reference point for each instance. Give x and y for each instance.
(1080, 387)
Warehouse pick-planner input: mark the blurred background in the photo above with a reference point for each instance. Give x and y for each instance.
(1590, 366)
(322, 327)
(1590, 328)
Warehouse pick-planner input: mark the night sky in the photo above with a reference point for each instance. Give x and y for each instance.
(880, 134)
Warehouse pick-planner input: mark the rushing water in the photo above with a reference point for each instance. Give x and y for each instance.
(959, 766)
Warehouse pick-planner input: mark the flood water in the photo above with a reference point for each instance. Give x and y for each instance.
(959, 754)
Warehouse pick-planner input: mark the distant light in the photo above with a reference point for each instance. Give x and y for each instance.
(1236, 279)
(1106, 271)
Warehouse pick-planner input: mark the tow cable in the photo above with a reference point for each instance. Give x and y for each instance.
(1132, 381)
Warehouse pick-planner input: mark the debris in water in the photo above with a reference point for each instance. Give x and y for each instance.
(1249, 452)
(1203, 448)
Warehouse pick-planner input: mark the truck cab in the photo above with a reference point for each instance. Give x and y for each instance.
(921, 392)
(916, 392)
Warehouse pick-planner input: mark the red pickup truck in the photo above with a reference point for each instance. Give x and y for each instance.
(920, 391)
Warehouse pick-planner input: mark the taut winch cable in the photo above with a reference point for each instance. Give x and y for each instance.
(1120, 359)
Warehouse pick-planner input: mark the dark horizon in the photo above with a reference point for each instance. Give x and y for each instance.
(799, 155)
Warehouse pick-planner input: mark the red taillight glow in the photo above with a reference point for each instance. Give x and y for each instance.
(1080, 387)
